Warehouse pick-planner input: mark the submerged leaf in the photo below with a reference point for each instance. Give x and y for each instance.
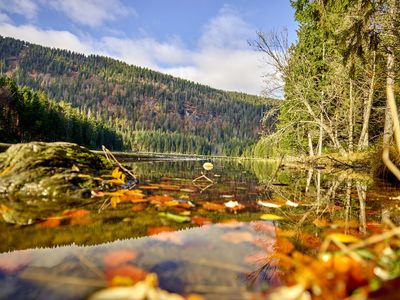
(50, 222)
(213, 206)
(159, 229)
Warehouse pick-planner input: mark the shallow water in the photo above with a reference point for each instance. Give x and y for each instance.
(207, 249)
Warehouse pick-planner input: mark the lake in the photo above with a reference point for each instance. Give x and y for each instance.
(220, 238)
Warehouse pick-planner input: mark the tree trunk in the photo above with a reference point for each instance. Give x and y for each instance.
(320, 138)
(363, 141)
(350, 116)
(310, 145)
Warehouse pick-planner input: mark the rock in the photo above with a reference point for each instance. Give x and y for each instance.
(49, 170)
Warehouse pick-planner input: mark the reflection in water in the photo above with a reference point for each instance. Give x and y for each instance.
(197, 260)
(226, 261)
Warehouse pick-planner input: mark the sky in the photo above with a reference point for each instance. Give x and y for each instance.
(205, 41)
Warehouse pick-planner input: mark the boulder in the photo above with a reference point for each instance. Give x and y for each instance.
(49, 170)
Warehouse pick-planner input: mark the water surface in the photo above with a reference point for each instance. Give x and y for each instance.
(184, 232)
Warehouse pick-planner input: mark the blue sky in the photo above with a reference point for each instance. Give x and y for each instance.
(200, 40)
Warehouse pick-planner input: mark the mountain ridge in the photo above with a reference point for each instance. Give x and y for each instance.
(133, 99)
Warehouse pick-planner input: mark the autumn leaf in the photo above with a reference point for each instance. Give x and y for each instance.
(271, 217)
(234, 206)
(175, 218)
(75, 213)
(50, 222)
(118, 258)
(213, 206)
(160, 199)
(169, 187)
(343, 238)
(139, 207)
(159, 229)
(200, 221)
(283, 245)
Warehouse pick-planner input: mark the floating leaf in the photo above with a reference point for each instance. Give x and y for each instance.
(271, 217)
(118, 257)
(169, 187)
(234, 206)
(267, 204)
(160, 199)
(75, 213)
(50, 222)
(200, 221)
(213, 206)
(175, 218)
(208, 166)
(159, 229)
(139, 207)
(343, 238)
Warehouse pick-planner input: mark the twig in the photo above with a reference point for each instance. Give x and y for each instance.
(375, 239)
(340, 162)
(111, 158)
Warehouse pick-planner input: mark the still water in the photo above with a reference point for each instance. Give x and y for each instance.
(213, 238)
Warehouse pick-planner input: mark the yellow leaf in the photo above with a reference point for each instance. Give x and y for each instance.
(115, 201)
(271, 217)
(343, 238)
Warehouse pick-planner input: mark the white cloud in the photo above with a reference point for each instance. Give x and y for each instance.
(48, 38)
(222, 59)
(226, 30)
(91, 12)
(4, 18)
(26, 8)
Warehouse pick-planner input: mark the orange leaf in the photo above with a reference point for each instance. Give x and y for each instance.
(50, 222)
(160, 199)
(139, 207)
(169, 187)
(159, 229)
(118, 258)
(75, 213)
(213, 206)
(284, 246)
(200, 221)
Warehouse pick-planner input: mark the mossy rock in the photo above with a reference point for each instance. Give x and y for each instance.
(49, 170)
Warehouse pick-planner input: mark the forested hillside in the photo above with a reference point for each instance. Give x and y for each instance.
(27, 115)
(154, 111)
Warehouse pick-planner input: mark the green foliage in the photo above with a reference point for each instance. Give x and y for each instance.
(27, 115)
